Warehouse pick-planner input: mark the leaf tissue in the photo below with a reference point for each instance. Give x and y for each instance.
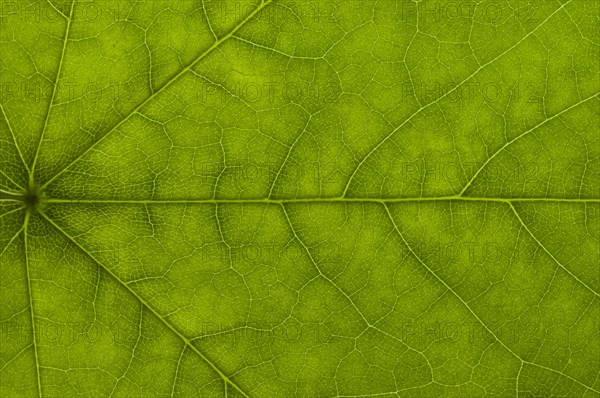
(300, 198)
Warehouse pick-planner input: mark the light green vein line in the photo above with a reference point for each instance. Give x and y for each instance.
(289, 152)
(175, 78)
(350, 179)
(347, 296)
(317, 200)
(12, 133)
(208, 20)
(12, 181)
(54, 91)
(14, 236)
(548, 252)
(321, 273)
(177, 371)
(15, 357)
(35, 350)
(12, 211)
(518, 376)
(387, 394)
(147, 305)
(471, 310)
(57, 10)
(10, 196)
(519, 137)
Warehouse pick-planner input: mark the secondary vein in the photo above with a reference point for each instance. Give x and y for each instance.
(508, 143)
(395, 226)
(54, 91)
(147, 305)
(174, 79)
(35, 349)
(548, 252)
(14, 138)
(407, 120)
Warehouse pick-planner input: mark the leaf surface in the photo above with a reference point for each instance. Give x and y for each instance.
(300, 199)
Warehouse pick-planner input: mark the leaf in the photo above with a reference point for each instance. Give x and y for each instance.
(300, 199)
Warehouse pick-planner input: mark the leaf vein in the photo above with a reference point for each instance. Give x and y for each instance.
(350, 179)
(471, 310)
(548, 252)
(175, 78)
(148, 306)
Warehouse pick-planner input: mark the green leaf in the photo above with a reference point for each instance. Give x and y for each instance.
(275, 198)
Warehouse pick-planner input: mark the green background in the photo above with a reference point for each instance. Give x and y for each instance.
(300, 198)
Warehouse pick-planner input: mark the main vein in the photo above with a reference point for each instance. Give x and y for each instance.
(322, 200)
